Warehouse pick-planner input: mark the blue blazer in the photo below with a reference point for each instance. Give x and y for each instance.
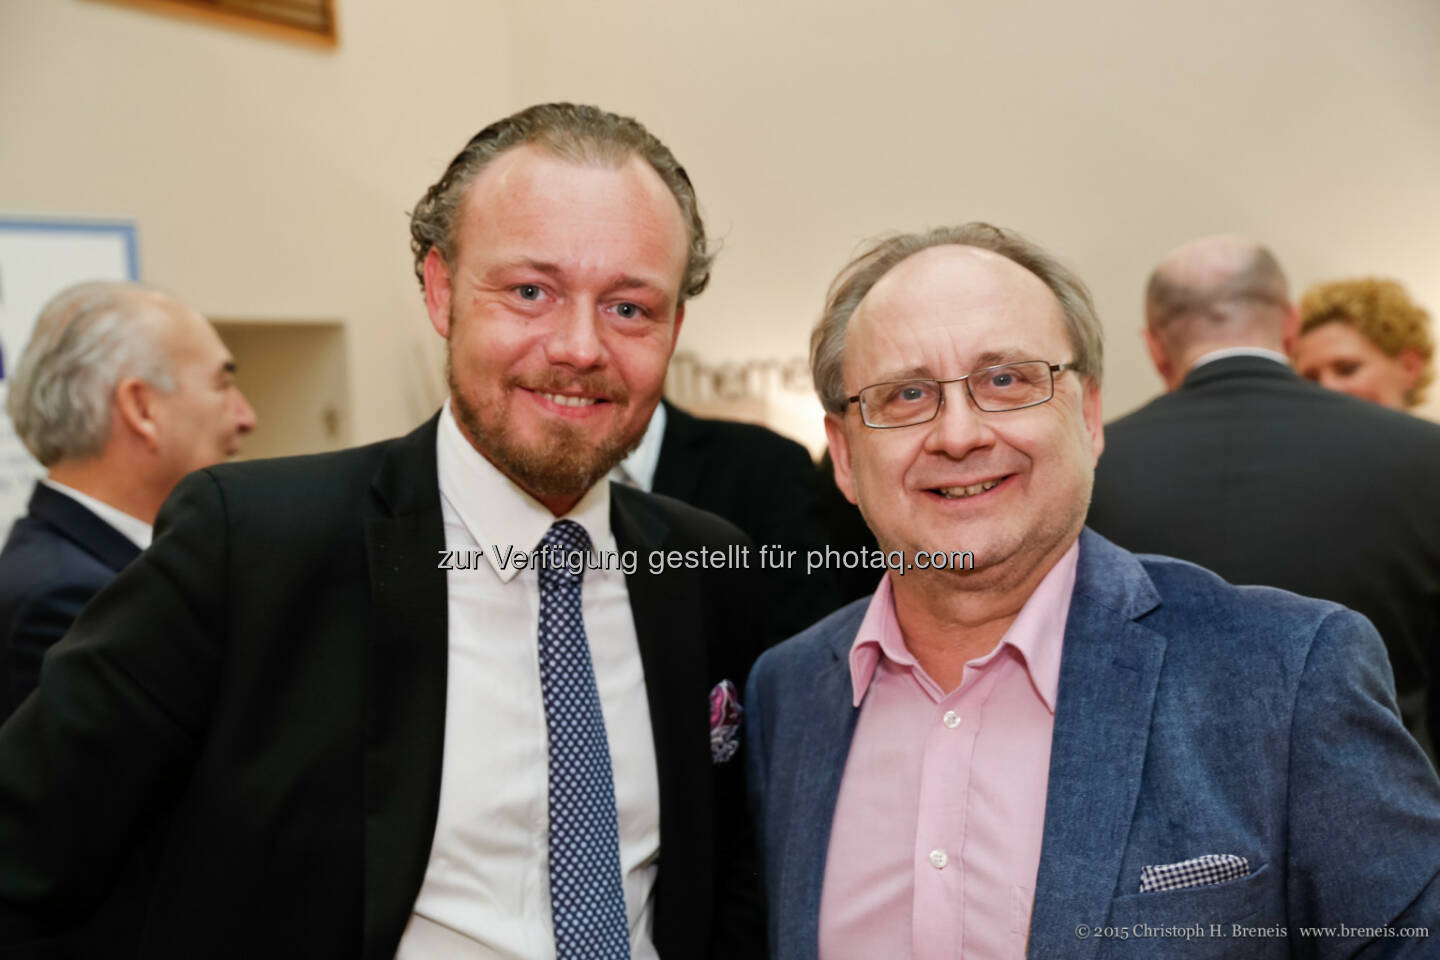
(1193, 717)
(56, 558)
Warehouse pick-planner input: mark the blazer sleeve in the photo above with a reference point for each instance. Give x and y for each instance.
(1364, 803)
(91, 761)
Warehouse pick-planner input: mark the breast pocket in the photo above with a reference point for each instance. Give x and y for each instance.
(1199, 923)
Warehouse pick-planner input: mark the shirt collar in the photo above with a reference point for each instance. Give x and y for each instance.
(1229, 352)
(135, 530)
(497, 512)
(638, 469)
(1038, 633)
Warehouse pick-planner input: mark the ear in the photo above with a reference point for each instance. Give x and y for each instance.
(437, 292)
(1290, 330)
(1094, 419)
(840, 455)
(135, 413)
(1412, 365)
(1159, 357)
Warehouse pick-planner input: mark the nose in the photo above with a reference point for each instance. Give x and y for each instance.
(245, 419)
(958, 428)
(575, 341)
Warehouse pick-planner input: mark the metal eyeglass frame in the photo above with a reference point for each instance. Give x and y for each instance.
(1054, 368)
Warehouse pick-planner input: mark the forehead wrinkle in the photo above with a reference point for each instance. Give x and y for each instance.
(628, 192)
(943, 345)
(525, 198)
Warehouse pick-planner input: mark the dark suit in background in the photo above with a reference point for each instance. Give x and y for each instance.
(56, 558)
(764, 484)
(845, 530)
(263, 692)
(1267, 479)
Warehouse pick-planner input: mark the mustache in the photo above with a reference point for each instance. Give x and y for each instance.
(595, 385)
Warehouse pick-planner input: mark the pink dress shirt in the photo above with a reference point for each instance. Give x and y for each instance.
(936, 839)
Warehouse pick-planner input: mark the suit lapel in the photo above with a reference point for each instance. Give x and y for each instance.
(823, 751)
(664, 608)
(1108, 673)
(405, 673)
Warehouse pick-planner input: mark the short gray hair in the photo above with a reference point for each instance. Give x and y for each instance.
(1215, 287)
(86, 340)
(579, 134)
(827, 342)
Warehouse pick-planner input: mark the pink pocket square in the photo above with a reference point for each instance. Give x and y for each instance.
(725, 715)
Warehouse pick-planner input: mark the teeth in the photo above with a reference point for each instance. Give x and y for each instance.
(565, 401)
(959, 493)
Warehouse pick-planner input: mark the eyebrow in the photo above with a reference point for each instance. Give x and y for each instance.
(992, 357)
(909, 373)
(622, 282)
(989, 358)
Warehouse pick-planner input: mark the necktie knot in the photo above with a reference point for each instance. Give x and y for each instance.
(563, 550)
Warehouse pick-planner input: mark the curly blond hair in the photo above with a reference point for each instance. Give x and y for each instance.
(1382, 312)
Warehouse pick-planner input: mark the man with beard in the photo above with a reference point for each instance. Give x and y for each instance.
(343, 742)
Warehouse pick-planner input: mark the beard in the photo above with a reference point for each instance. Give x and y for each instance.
(566, 462)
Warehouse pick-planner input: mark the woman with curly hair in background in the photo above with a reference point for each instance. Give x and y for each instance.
(1368, 339)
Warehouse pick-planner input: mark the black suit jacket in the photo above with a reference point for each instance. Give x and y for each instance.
(1265, 478)
(846, 531)
(263, 691)
(764, 484)
(56, 558)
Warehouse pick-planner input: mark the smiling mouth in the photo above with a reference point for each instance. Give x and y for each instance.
(960, 493)
(561, 399)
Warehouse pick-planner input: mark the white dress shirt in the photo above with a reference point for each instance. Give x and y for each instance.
(135, 530)
(638, 469)
(486, 892)
(1225, 353)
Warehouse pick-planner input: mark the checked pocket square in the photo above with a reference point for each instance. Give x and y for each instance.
(1197, 872)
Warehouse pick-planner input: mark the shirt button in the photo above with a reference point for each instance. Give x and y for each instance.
(951, 719)
(938, 860)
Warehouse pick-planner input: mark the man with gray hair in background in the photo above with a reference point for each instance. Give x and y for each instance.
(1245, 468)
(120, 392)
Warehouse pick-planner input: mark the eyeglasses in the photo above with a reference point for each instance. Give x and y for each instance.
(1005, 386)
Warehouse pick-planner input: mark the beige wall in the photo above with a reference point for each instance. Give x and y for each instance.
(296, 378)
(1109, 130)
(270, 180)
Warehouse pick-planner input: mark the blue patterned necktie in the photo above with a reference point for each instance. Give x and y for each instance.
(587, 898)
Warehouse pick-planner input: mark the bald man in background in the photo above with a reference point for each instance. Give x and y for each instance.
(120, 392)
(1265, 478)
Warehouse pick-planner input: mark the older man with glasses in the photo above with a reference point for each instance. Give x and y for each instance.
(1066, 749)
